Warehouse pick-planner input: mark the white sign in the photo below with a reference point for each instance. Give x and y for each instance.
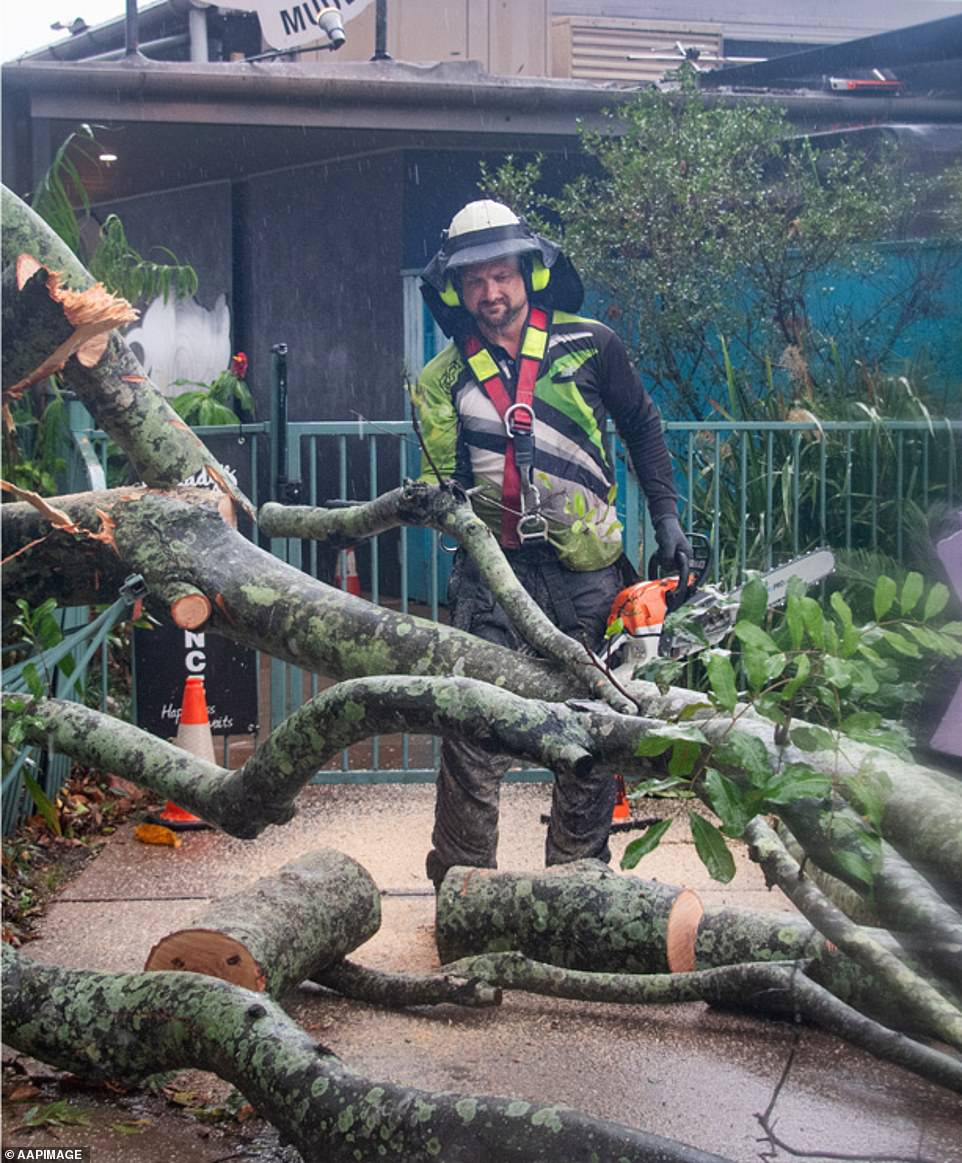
(286, 24)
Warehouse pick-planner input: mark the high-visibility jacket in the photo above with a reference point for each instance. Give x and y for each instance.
(585, 376)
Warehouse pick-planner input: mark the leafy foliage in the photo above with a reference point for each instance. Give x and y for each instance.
(214, 403)
(846, 680)
(695, 222)
(112, 260)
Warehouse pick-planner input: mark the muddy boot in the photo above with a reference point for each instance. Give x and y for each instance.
(435, 870)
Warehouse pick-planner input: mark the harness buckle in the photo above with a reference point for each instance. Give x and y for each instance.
(508, 418)
(532, 527)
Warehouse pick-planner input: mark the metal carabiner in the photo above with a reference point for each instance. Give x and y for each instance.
(509, 416)
(532, 527)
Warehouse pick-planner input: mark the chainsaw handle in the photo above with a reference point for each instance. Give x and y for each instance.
(683, 591)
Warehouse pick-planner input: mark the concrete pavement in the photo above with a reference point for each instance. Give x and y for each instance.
(688, 1072)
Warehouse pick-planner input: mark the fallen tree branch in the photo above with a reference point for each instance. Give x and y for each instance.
(920, 997)
(162, 448)
(399, 990)
(448, 511)
(781, 987)
(585, 916)
(262, 791)
(128, 1026)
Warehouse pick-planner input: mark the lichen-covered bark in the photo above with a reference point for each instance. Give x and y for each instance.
(256, 599)
(125, 1027)
(117, 391)
(899, 895)
(447, 510)
(779, 987)
(262, 791)
(399, 990)
(293, 924)
(919, 997)
(585, 916)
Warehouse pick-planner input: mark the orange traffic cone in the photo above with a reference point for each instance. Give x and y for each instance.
(193, 735)
(348, 579)
(622, 809)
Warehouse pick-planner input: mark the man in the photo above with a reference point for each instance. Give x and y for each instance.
(515, 408)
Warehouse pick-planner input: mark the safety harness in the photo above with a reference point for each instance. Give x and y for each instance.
(519, 494)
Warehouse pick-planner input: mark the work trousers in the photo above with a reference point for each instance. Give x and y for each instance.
(469, 779)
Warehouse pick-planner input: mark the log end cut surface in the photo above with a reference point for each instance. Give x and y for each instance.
(683, 921)
(207, 951)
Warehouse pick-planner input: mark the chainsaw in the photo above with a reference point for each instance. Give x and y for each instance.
(639, 611)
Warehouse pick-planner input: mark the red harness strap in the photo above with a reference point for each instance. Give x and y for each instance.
(517, 414)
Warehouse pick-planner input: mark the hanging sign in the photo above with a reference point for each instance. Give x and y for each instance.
(166, 656)
(289, 25)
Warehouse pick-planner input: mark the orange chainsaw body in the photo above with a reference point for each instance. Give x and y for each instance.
(643, 607)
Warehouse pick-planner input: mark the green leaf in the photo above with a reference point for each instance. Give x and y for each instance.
(808, 738)
(901, 645)
(728, 802)
(936, 602)
(868, 789)
(856, 865)
(647, 842)
(753, 606)
(42, 803)
(721, 675)
(814, 620)
(654, 744)
(803, 668)
(837, 672)
(649, 787)
(883, 597)
(912, 589)
(614, 627)
(861, 721)
(797, 782)
(795, 620)
(712, 848)
(579, 504)
(755, 638)
(35, 684)
(850, 636)
(684, 756)
(932, 641)
(745, 752)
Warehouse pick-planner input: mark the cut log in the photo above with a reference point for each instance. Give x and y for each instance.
(585, 916)
(283, 929)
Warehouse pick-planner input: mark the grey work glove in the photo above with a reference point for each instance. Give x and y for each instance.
(671, 542)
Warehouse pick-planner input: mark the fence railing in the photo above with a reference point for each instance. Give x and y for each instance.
(764, 492)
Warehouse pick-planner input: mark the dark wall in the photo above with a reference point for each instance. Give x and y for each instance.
(195, 223)
(320, 252)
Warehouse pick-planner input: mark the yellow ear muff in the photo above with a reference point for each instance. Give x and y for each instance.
(450, 296)
(540, 274)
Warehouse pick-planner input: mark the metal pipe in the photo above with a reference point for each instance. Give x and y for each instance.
(380, 32)
(279, 422)
(131, 33)
(197, 28)
(150, 46)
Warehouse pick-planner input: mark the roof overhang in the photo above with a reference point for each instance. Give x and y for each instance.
(201, 122)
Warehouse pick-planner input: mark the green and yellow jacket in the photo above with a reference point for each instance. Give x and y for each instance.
(585, 376)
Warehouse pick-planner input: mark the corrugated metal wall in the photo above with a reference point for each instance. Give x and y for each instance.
(629, 52)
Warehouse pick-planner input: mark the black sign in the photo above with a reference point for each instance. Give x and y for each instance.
(166, 656)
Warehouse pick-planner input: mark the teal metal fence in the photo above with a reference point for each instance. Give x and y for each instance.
(763, 492)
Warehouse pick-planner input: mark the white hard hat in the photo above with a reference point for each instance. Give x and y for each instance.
(486, 230)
